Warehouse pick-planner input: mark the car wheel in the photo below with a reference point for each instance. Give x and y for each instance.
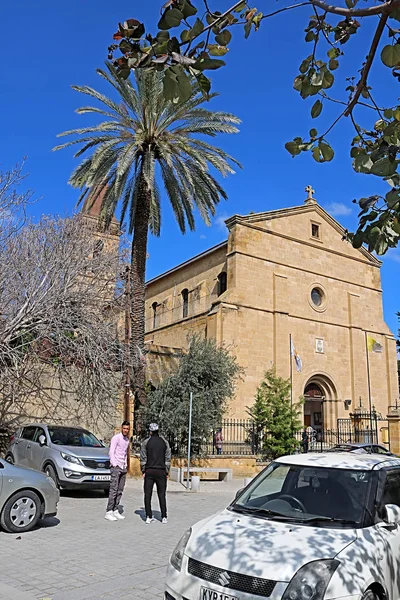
(10, 459)
(50, 472)
(21, 512)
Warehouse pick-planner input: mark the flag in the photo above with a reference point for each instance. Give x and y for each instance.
(373, 345)
(298, 361)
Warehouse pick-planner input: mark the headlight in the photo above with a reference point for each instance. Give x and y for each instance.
(177, 555)
(71, 459)
(311, 581)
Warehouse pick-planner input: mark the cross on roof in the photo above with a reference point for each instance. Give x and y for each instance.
(310, 191)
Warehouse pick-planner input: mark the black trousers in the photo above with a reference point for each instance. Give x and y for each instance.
(117, 484)
(160, 479)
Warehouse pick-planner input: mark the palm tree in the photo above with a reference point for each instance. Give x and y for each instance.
(147, 140)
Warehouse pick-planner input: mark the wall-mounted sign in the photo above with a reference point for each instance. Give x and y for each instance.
(319, 346)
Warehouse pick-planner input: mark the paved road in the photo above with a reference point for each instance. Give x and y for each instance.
(81, 556)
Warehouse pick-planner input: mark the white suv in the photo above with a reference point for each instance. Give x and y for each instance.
(73, 457)
(309, 527)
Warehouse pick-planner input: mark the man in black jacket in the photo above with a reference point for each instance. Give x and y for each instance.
(155, 462)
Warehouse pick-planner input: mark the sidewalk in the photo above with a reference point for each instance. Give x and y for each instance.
(81, 556)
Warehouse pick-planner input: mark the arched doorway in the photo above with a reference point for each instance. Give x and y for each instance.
(313, 406)
(320, 403)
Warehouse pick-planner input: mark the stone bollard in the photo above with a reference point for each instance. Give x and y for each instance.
(195, 483)
(246, 481)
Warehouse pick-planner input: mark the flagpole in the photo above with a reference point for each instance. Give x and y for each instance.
(369, 386)
(291, 382)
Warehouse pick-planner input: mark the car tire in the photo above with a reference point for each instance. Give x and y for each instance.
(21, 512)
(10, 459)
(369, 595)
(50, 472)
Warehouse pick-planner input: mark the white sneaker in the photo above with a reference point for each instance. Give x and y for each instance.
(164, 521)
(118, 515)
(110, 516)
(149, 520)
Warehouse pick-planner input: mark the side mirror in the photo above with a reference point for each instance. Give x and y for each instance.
(391, 514)
(42, 440)
(238, 493)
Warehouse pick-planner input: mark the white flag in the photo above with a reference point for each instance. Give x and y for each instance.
(298, 361)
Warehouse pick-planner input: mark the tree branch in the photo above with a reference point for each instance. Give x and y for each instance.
(356, 12)
(368, 63)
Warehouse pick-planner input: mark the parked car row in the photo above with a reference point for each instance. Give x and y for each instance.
(41, 459)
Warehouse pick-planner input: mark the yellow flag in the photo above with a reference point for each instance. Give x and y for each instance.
(373, 345)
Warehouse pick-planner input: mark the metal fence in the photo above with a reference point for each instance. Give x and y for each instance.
(244, 437)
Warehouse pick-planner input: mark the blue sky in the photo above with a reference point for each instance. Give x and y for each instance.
(47, 46)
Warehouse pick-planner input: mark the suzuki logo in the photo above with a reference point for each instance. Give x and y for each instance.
(224, 579)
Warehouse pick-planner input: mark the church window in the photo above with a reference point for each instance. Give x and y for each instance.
(315, 231)
(154, 307)
(317, 296)
(222, 283)
(185, 303)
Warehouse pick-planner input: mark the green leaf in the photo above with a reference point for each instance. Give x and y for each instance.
(333, 53)
(125, 46)
(304, 65)
(316, 153)
(216, 50)
(384, 167)
(316, 109)
(196, 29)
(204, 64)
(396, 226)
(247, 29)
(310, 37)
(204, 83)
(395, 14)
(333, 64)
(358, 239)
(326, 151)
(392, 198)
(390, 55)
(162, 36)
(313, 133)
(185, 36)
(223, 38)
(187, 8)
(292, 148)
(172, 17)
(328, 80)
(362, 163)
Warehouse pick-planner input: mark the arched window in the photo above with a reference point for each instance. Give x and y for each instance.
(222, 283)
(154, 308)
(185, 303)
(313, 391)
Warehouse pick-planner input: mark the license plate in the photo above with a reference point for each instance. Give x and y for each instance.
(207, 594)
(101, 477)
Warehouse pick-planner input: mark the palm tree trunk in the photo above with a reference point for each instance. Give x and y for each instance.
(138, 282)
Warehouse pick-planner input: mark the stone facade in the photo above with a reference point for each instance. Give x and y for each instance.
(281, 273)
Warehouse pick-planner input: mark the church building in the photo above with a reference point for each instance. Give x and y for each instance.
(286, 291)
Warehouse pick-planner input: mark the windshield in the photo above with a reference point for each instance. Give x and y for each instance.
(315, 495)
(63, 436)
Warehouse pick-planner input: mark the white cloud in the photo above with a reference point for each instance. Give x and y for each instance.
(393, 255)
(219, 221)
(339, 209)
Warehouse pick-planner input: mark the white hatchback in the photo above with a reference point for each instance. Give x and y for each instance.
(309, 527)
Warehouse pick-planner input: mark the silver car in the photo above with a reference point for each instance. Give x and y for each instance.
(25, 497)
(72, 456)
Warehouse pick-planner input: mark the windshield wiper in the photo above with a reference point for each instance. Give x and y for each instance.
(263, 511)
(328, 520)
